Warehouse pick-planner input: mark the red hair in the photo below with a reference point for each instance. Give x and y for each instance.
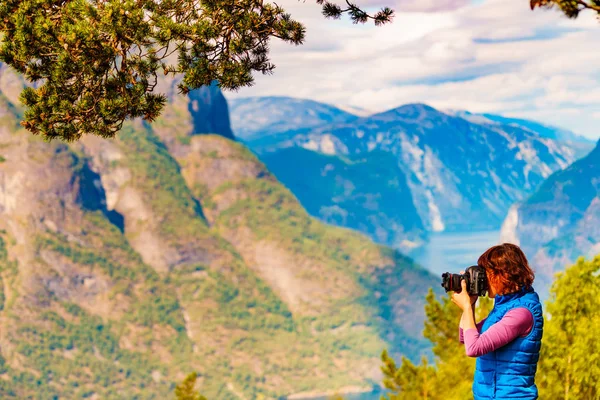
(506, 268)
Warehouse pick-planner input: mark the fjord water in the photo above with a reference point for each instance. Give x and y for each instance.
(454, 251)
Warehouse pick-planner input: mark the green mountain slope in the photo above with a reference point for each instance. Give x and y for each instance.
(127, 264)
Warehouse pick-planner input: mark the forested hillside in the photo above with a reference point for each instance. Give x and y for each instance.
(127, 264)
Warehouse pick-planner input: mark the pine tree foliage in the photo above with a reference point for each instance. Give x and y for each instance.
(95, 63)
(571, 8)
(570, 356)
(185, 390)
(408, 381)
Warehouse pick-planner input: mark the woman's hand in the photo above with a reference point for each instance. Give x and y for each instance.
(462, 299)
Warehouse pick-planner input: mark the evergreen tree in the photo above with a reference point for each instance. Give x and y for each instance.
(571, 8)
(95, 63)
(570, 356)
(185, 390)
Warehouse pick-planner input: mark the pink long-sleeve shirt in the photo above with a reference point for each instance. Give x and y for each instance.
(517, 322)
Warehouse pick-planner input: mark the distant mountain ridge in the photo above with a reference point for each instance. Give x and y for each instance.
(561, 220)
(253, 117)
(548, 131)
(581, 144)
(460, 174)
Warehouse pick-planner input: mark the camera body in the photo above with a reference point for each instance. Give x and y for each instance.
(474, 276)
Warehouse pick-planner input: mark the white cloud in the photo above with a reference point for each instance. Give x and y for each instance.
(430, 5)
(496, 56)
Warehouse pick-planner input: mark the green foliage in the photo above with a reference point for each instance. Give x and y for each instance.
(571, 8)
(86, 256)
(408, 381)
(3, 367)
(95, 358)
(157, 306)
(158, 176)
(570, 357)
(97, 63)
(69, 353)
(8, 271)
(3, 250)
(185, 390)
(3, 262)
(249, 305)
(272, 211)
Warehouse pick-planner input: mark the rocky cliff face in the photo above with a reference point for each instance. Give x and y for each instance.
(452, 173)
(209, 111)
(559, 222)
(126, 264)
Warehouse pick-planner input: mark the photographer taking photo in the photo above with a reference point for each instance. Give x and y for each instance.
(506, 343)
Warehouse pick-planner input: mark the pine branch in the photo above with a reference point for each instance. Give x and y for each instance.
(589, 6)
(571, 8)
(357, 15)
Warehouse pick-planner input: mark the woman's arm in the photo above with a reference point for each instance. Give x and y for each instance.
(461, 324)
(515, 323)
(461, 335)
(473, 300)
(467, 321)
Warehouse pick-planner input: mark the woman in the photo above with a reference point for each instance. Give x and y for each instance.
(506, 343)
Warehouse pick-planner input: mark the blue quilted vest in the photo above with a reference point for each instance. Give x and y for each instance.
(509, 372)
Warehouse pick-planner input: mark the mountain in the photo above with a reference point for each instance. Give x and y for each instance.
(367, 192)
(580, 144)
(209, 111)
(253, 117)
(450, 173)
(560, 221)
(126, 264)
(551, 132)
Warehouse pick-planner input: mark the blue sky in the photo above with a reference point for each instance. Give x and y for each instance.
(493, 56)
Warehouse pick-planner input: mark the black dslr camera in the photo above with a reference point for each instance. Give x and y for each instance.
(474, 276)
